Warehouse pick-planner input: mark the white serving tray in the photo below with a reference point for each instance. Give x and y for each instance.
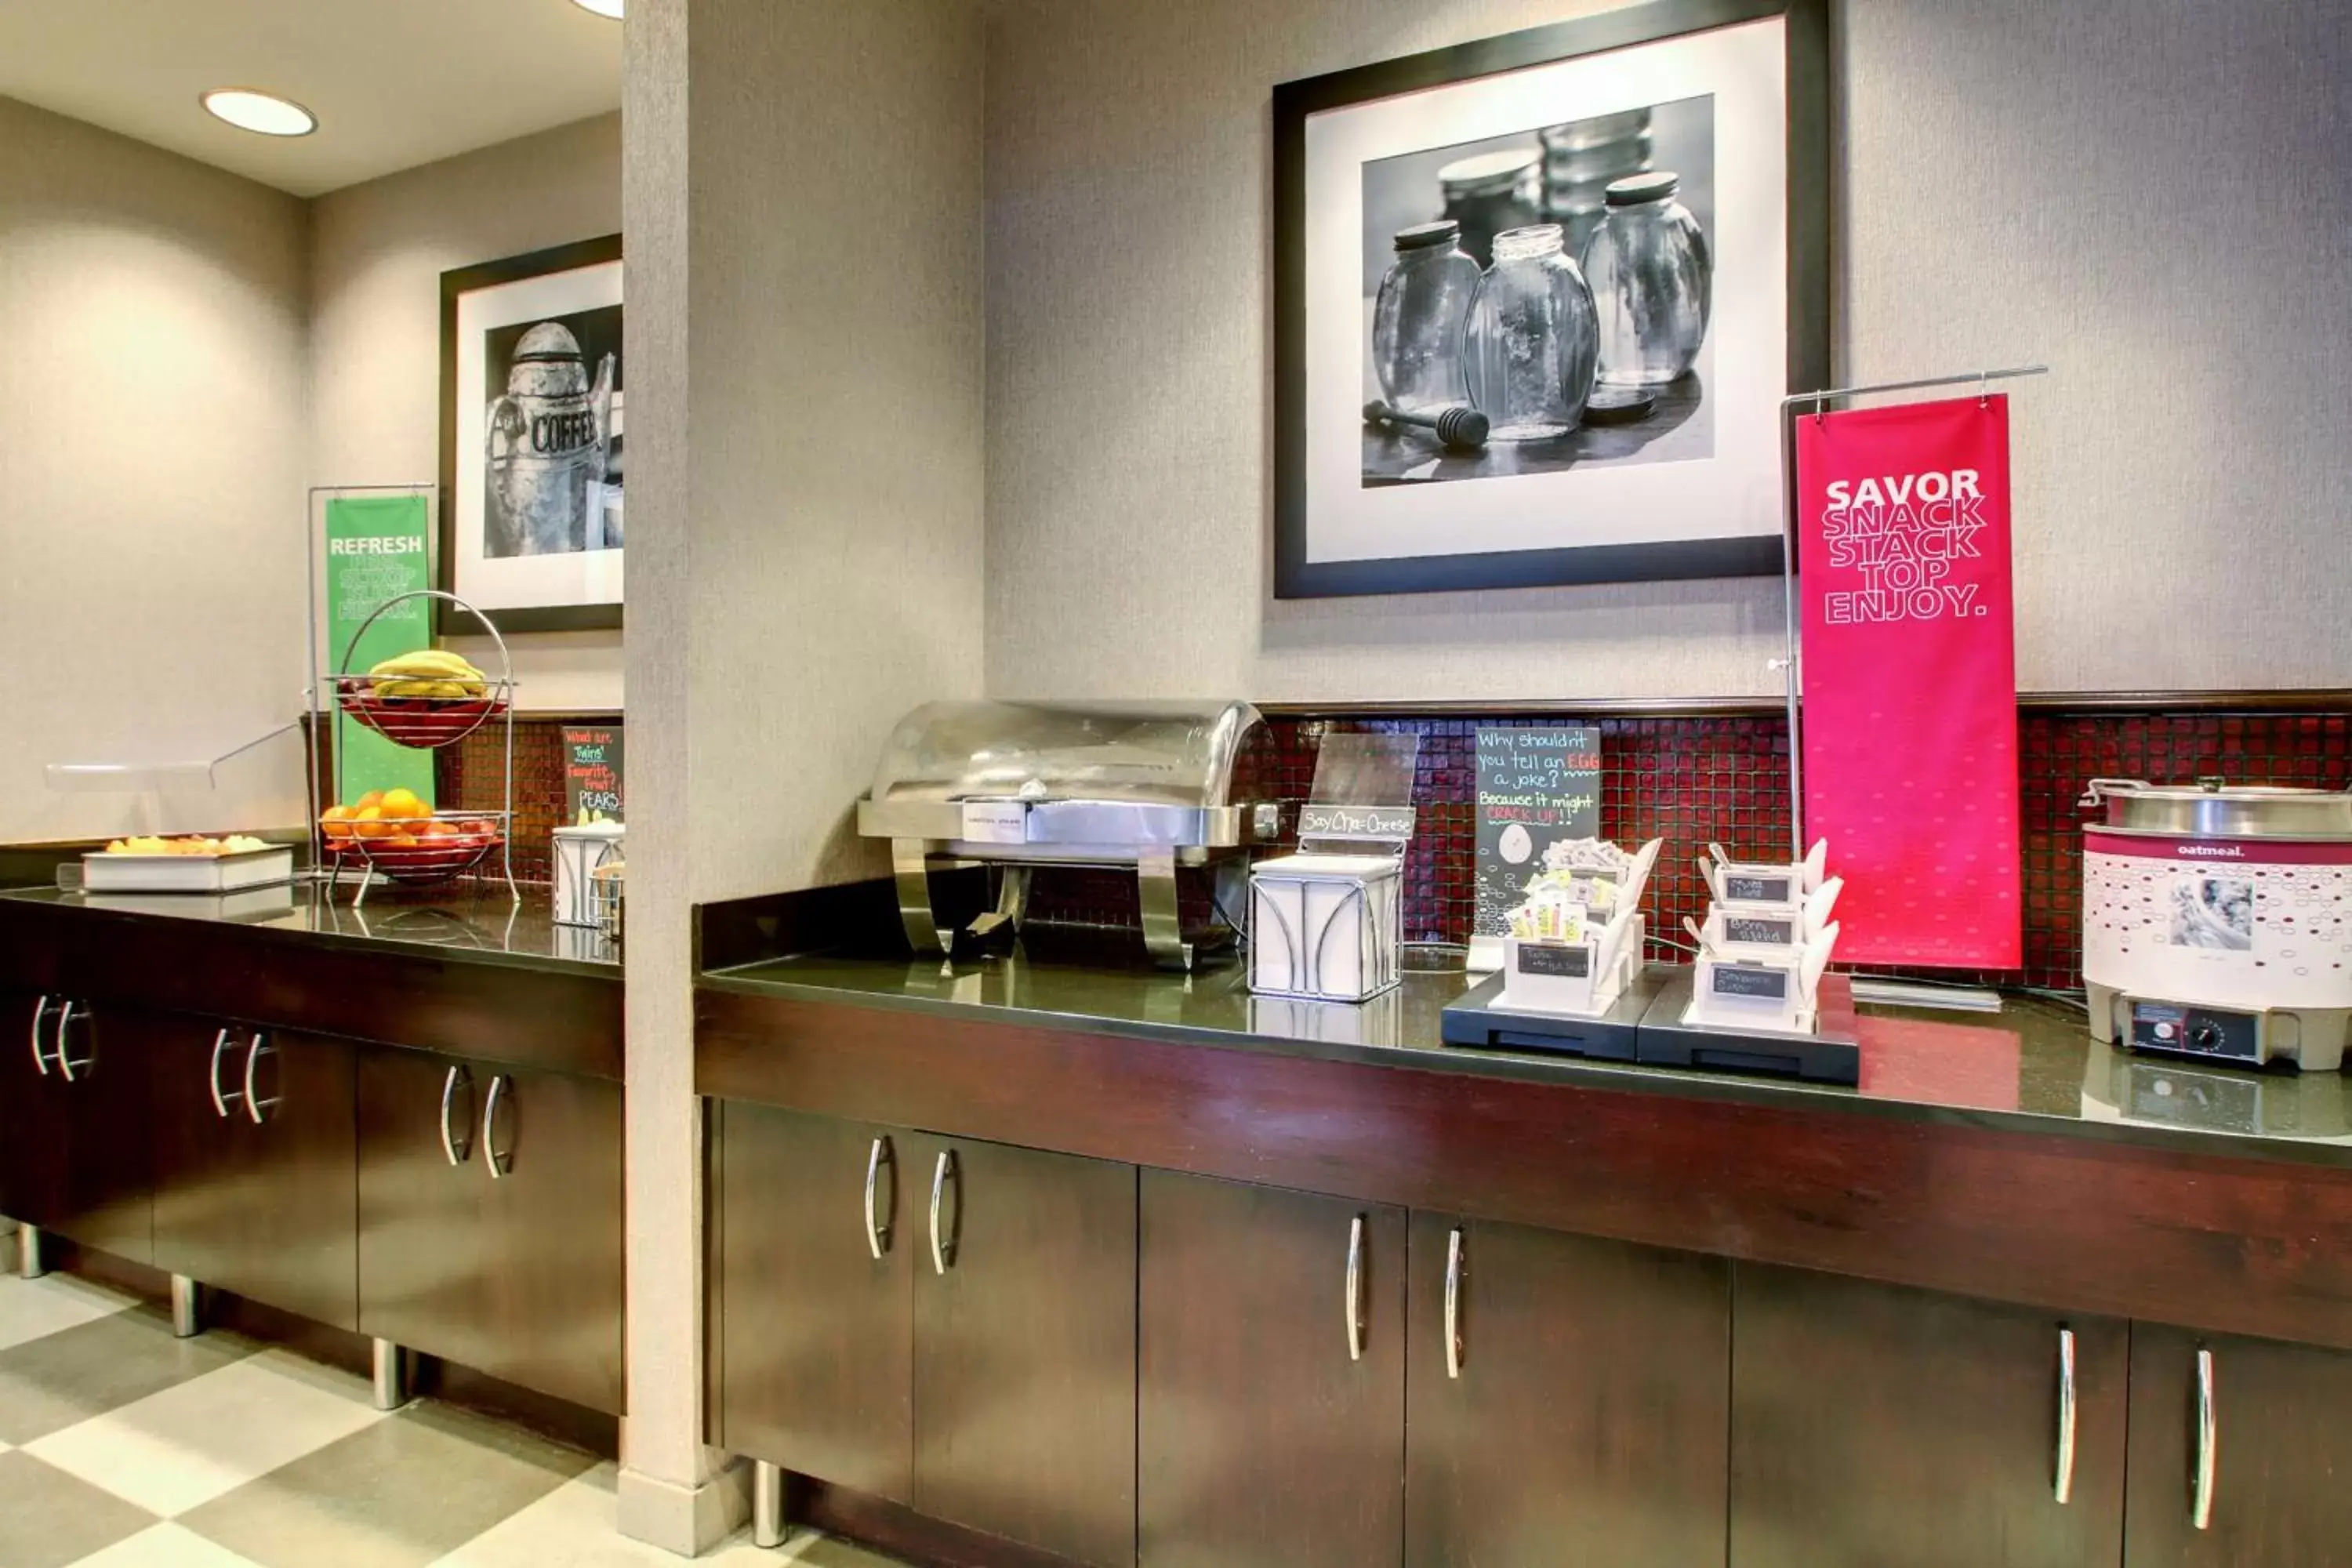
(266, 902)
(104, 873)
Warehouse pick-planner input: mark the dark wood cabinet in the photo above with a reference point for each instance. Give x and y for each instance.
(1874, 1424)
(489, 1220)
(1271, 1355)
(2279, 1491)
(73, 1119)
(813, 1317)
(1024, 1345)
(1582, 1414)
(254, 1162)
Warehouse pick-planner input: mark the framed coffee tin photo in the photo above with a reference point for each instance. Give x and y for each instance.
(531, 440)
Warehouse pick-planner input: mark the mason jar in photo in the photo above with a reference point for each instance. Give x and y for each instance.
(1532, 341)
(1653, 282)
(1418, 317)
(1491, 193)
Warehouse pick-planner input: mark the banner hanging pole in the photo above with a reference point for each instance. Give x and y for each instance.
(1790, 673)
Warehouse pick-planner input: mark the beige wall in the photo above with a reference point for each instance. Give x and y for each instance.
(2152, 209)
(803, 198)
(151, 383)
(379, 249)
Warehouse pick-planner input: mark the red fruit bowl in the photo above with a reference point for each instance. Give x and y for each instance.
(424, 722)
(424, 858)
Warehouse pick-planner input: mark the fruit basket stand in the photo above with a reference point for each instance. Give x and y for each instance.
(426, 710)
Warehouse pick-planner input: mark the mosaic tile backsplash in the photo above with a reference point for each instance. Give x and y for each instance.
(1693, 781)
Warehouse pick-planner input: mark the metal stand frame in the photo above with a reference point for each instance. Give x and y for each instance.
(28, 1252)
(503, 686)
(1791, 675)
(187, 1308)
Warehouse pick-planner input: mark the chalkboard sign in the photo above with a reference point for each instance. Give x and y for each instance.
(1734, 981)
(1567, 962)
(591, 773)
(1535, 787)
(1756, 928)
(1758, 890)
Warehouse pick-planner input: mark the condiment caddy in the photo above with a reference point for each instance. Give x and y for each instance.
(1765, 943)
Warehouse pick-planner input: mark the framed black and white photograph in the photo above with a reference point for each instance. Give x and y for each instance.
(1538, 299)
(532, 526)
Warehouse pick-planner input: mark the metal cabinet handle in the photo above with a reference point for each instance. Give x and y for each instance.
(2062, 1488)
(2209, 1444)
(221, 1098)
(878, 1227)
(501, 1161)
(1454, 1302)
(942, 1243)
(40, 1014)
(66, 1064)
(457, 1147)
(255, 1048)
(1356, 1289)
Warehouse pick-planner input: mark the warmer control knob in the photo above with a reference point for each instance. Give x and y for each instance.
(2205, 1035)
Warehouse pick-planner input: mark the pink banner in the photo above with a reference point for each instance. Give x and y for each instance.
(1910, 679)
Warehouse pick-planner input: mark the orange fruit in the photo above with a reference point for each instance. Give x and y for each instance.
(368, 822)
(401, 841)
(437, 829)
(404, 803)
(373, 797)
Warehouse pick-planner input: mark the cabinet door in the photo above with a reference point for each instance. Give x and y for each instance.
(421, 1225)
(551, 1285)
(517, 1274)
(813, 1331)
(1271, 1415)
(1582, 1417)
(2279, 1493)
(1873, 1425)
(255, 1189)
(1024, 1346)
(73, 1123)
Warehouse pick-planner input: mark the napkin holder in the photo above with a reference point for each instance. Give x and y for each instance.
(1327, 924)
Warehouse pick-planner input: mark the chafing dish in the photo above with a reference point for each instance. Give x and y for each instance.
(1020, 784)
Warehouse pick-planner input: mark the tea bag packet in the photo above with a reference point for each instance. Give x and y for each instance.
(1587, 897)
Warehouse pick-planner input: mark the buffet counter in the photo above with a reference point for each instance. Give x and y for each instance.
(2033, 1067)
(1976, 1308)
(479, 926)
(401, 1121)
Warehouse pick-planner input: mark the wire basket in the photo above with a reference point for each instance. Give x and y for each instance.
(423, 722)
(416, 850)
(445, 845)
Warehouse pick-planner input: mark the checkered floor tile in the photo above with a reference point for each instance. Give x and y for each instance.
(122, 1446)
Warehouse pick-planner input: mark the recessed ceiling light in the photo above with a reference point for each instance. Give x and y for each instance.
(262, 111)
(602, 7)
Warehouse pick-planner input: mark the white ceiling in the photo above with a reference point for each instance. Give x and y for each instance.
(394, 83)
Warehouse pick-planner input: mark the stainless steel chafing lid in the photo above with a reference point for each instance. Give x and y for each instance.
(1154, 753)
(2211, 809)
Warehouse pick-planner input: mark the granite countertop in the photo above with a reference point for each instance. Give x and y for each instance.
(468, 923)
(2032, 1068)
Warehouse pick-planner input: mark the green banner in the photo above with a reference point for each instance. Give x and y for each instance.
(377, 549)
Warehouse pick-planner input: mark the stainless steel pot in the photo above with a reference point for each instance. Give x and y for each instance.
(2211, 809)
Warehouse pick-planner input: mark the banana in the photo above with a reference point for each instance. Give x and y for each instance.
(433, 673)
(428, 664)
